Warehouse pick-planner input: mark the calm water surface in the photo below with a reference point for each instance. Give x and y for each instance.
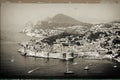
(50, 67)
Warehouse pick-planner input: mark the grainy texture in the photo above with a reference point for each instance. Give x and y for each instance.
(62, 1)
(54, 1)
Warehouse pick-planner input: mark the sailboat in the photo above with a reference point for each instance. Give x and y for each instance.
(67, 69)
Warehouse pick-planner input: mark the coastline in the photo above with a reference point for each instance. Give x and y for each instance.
(42, 54)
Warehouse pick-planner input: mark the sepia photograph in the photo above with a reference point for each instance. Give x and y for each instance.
(60, 40)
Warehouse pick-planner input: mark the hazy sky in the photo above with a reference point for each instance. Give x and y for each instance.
(14, 15)
(20, 13)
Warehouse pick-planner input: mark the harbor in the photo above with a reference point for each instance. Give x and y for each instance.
(59, 41)
(30, 67)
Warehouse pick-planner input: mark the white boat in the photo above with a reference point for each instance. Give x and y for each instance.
(115, 66)
(33, 70)
(86, 68)
(67, 69)
(75, 63)
(12, 60)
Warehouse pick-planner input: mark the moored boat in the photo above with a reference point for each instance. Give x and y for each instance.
(67, 69)
(86, 68)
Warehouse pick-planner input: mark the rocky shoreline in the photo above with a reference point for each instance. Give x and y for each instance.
(44, 54)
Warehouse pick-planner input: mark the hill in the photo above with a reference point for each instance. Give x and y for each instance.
(59, 20)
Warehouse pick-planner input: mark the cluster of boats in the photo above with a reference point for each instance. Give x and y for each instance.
(64, 56)
(68, 71)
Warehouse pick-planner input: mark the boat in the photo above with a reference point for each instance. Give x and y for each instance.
(69, 72)
(115, 66)
(33, 70)
(12, 60)
(86, 68)
(67, 69)
(75, 63)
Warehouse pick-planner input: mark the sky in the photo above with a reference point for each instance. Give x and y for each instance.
(21, 13)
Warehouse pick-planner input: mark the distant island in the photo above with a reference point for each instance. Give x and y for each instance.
(63, 37)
